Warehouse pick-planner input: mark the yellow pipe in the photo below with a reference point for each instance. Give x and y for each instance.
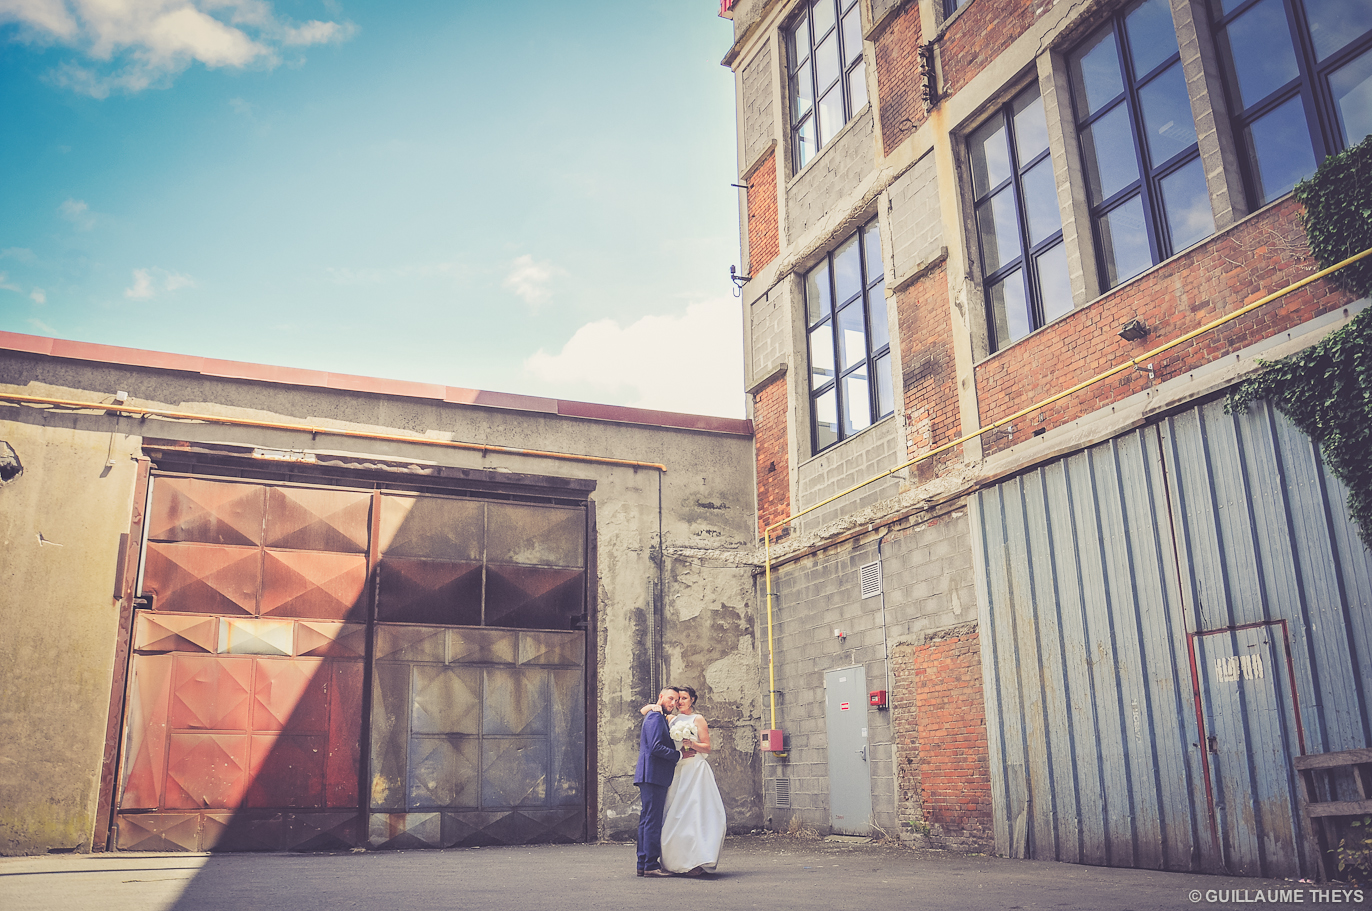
(1133, 362)
(335, 431)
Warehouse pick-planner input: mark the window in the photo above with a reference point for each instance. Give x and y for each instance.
(952, 6)
(1299, 76)
(1019, 226)
(825, 46)
(1138, 142)
(850, 345)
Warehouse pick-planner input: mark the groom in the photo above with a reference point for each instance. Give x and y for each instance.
(657, 758)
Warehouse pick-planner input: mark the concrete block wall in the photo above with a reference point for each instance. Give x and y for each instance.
(882, 8)
(856, 459)
(770, 331)
(832, 175)
(915, 220)
(928, 586)
(757, 117)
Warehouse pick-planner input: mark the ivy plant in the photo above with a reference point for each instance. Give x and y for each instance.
(1326, 390)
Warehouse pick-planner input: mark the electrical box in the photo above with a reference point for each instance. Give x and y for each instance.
(773, 742)
(877, 699)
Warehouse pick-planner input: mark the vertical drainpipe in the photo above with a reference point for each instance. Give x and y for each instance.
(885, 631)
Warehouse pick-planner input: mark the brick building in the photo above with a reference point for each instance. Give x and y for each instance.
(1106, 624)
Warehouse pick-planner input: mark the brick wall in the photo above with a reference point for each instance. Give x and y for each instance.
(769, 445)
(763, 239)
(981, 32)
(1258, 256)
(942, 760)
(930, 375)
(900, 89)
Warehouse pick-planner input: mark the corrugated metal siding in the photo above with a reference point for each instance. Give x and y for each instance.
(1094, 569)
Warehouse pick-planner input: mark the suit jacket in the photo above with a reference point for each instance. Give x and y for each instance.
(657, 754)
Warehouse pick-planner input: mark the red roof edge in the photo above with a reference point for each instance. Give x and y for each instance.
(292, 376)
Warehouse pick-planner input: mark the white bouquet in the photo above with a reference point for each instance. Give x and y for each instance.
(683, 729)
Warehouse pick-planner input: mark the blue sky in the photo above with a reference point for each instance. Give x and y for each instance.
(527, 196)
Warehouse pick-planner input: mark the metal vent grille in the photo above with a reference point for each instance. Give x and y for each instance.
(871, 580)
(780, 792)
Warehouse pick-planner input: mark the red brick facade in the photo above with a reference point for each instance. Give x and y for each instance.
(1261, 255)
(770, 447)
(929, 374)
(943, 767)
(763, 238)
(980, 34)
(900, 89)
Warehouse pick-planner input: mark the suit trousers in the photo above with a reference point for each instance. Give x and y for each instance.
(653, 798)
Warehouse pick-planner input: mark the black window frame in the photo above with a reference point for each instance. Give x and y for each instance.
(1029, 254)
(801, 58)
(872, 294)
(952, 6)
(1147, 186)
(1311, 85)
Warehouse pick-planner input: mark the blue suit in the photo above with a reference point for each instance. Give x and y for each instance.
(657, 759)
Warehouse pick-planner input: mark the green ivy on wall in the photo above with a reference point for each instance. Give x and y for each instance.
(1326, 390)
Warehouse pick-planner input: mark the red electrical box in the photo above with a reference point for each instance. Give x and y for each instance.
(773, 742)
(877, 699)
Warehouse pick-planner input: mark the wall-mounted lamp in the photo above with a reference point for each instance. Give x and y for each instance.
(1133, 330)
(738, 280)
(840, 635)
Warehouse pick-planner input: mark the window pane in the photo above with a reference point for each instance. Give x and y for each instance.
(857, 86)
(821, 355)
(817, 302)
(999, 228)
(802, 94)
(830, 114)
(1108, 148)
(1095, 69)
(1031, 126)
(824, 17)
(1334, 23)
(1167, 116)
(1124, 242)
(826, 63)
(886, 393)
(852, 335)
(847, 270)
(1040, 193)
(1279, 150)
(1352, 87)
(1152, 38)
(1055, 288)
(990, 156)
(876, 316)
(826, 419)
(852, 36)
(800, 42)
(857, 403)
(1266, 60)
(872, 249)
(806, 147)
(1187, 204)
(1010, 309)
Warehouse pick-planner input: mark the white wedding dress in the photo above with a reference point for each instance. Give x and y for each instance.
(694, 823)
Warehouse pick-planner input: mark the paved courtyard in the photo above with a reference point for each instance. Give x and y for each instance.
(756, 872)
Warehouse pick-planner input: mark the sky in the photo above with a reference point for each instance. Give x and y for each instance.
(527, 196)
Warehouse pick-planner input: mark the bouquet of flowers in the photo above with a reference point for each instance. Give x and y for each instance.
(683, 729)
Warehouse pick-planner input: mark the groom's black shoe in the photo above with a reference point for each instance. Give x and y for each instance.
(640, 872)
(658, 872)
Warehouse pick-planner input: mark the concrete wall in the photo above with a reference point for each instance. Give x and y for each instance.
(834, 174)
(839, 467)
(60, 616)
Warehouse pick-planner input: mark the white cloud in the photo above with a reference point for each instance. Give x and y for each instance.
(42, 327)
(148, 283)
(78, 213)
(690, 362)
(530, 280)
(23, 254)
(39, 296)
(8, 285)
(134, 44)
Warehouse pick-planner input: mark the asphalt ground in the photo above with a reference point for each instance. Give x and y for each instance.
(755, 872)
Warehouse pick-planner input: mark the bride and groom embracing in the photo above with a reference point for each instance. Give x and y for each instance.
(681, 824)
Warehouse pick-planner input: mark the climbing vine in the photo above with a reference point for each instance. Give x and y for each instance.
(1326, 390)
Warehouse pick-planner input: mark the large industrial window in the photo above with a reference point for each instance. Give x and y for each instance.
(1019, 226)
(825, 51)
(850, 344)
(1299, 77)
(1138, 142)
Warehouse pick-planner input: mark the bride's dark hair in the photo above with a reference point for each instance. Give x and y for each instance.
(688, 690)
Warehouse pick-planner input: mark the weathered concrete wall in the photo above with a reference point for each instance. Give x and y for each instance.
(834, 174)
(864, 455)
(61, 619)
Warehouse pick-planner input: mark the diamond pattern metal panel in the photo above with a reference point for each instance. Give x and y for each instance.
(306, 518)
(432, 527)
(320, 586)
(255, 637)
(322, 831)
(429, 591)
(444, 772)
(516, 702)
(287, 770)
(202, 579)
(390, 735)
(567, 770)
(446, 700)
(535, 535)
(206, 770)
(145, 733)
(514, 771)
(344, 763)
(410, 643)
(211, 693)
(174, 633)
(291, 696)
(405, 830)
(331, 640)
(482, 646)
(549, 648)
(158, 832)
(534, 597)
(210, 512)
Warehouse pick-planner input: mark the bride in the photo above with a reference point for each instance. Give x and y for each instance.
(694, 822)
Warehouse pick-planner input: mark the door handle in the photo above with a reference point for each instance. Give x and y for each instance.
(863, 753)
